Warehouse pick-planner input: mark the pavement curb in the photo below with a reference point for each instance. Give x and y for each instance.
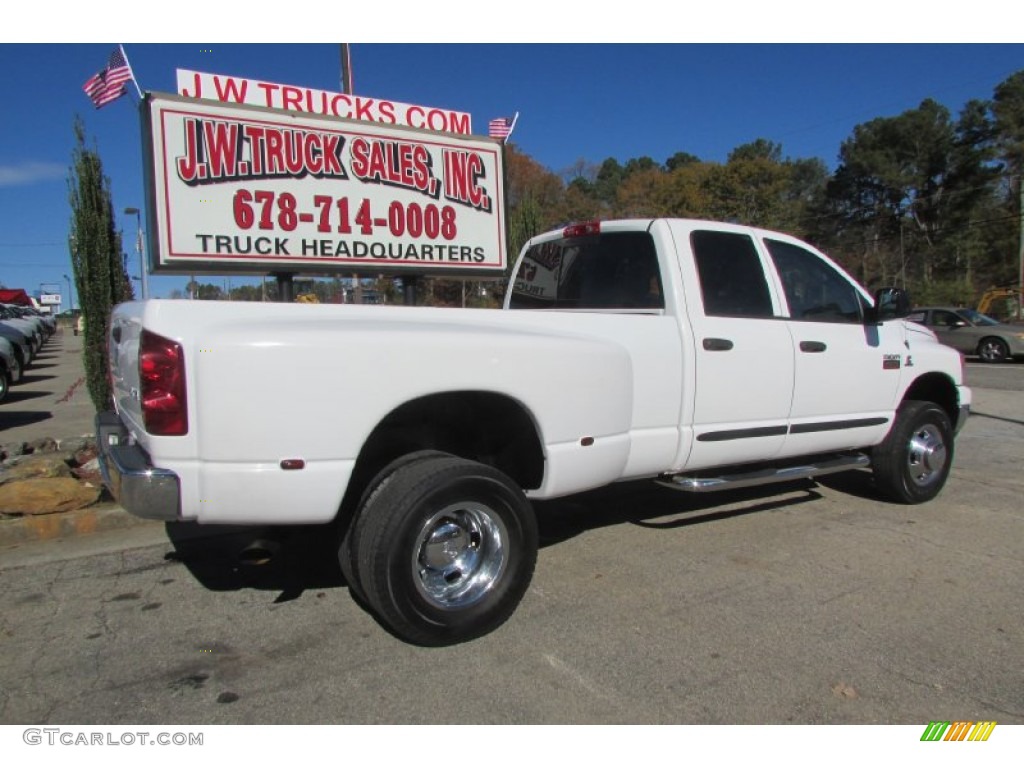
(59, 525)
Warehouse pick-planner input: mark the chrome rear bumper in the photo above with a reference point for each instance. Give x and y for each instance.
(140, 488)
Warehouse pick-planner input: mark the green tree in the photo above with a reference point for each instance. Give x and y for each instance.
(750, 188)
(97, 261)
(1008, 115)
(905, 193)
(607, 181)
(679, 159)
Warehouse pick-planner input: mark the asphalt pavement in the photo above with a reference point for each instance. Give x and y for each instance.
(51, 400)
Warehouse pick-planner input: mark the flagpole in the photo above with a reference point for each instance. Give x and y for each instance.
(130, 70)
(512, 127)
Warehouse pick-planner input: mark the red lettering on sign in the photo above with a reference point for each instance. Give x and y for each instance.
(230, 89)
(392, 162)
(268, 92)
(187, 165)
(386, 112)
(364, 109)
(346, 106)
(216, 150)
(462, 171)
(221, 147)
(291, 98)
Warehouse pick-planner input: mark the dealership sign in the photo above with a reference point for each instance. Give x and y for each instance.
(238, 188)
(292, 98)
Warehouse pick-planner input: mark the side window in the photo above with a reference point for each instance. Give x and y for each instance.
(815, 291)
(732, 281)
(943, 319)
(916, 317)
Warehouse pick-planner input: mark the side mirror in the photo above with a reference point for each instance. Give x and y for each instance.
(890, 304)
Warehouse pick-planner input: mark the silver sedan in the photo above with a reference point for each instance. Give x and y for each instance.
(972, 333)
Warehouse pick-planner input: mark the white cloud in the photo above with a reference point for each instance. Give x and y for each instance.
(30, 173)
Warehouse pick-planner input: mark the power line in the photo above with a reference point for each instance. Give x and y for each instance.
(31, 245)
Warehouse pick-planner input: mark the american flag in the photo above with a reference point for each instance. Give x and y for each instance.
(500, 127)
(109, 84)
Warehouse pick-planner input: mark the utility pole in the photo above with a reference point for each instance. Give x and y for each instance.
(345, 55)
(1020, 252)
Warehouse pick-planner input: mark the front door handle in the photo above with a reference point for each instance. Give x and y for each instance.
(717, 345)
(812, 346)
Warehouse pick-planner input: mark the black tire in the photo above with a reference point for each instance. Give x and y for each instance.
(446, 550)
(347, 551)
(5, 384)
(993, 350)
(912, 463)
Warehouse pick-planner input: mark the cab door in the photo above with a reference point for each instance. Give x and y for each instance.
(743, 355)
(847, 372)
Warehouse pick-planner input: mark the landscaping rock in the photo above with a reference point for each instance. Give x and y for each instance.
(36, 466)
(46, 496)
(89, 471)
(42, 445)
(11, 450)
(77, 444)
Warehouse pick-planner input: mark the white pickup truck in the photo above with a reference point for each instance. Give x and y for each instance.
(697, 354)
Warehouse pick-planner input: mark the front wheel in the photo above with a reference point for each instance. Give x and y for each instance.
(446, 550)
(993, 350)
(912, 463)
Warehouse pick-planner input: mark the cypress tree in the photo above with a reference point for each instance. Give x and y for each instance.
(97, 261)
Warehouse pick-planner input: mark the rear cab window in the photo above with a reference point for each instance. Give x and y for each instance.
(606, 271)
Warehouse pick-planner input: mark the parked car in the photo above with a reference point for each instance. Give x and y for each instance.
(21, 341)
(972, 332)
(10, 368)
(33, 329)
(48, 320)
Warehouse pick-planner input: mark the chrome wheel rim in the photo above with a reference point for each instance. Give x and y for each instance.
(926, 455)
(991, 351)
(460, 555)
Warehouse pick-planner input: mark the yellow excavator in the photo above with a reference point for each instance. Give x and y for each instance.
(1004, 304)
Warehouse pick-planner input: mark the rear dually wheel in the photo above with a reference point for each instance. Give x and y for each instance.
(446, 550)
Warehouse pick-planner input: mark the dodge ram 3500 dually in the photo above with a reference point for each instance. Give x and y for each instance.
(697, 354)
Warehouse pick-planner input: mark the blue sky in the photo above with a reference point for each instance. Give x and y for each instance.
(577, 101)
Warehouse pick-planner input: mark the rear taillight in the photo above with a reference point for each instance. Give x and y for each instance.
(162, 385)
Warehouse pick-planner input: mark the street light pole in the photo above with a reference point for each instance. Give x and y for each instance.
(71, 294)
(139, 248)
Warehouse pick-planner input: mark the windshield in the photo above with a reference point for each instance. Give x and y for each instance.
(617, 270)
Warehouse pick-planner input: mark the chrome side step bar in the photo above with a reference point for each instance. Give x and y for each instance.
(741, 477)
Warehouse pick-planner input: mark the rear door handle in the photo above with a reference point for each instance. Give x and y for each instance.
(813, 346)
(717, 345)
